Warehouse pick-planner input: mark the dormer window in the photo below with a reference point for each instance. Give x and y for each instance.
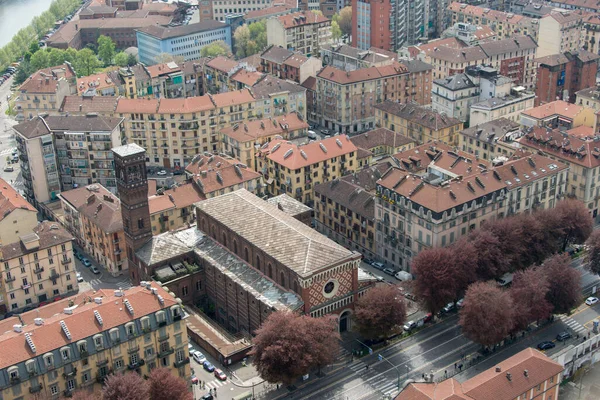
(98, 342)
(145, 324)
(13, 373)
(161, 318)
(49, 360)
(176, 312)
(114, 335)
(65, 354)
(130, 328)
(30, 366)
(82, 346)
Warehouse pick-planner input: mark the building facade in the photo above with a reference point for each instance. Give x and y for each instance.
(491, 140)
(17, 216)
(560, 32)
(304, 32)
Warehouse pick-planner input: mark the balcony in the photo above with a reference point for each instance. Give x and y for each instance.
(38, 270)
(133, 350)
(136, 365)
(54, 276)
(14, 380)
(35, 389)
(165, 352)
(101, 363)
(181, 363)
(70, 373)
(163, 338)
(9, 279)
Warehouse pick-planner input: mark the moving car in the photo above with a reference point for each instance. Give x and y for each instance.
(410, 325)
(590, 301)
(546, 345)
(561, 337)
(86, 262)
(94, 270)
(208, 366)
(220, 375)
(199, 357)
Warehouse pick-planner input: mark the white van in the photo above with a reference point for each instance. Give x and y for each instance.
(312, 135)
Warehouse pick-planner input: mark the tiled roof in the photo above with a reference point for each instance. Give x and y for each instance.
(163, 69)
(50, 234)
(222, 64)
(91, 10)
(491, 15)
(430, 47)
(176, 198)
(293, 156)
(484, 32)
(159, 203)
(557, 107)
(98, 204)
(39, 126)
(162, 32)
(415, 66)
(460, 55)
(380, 137)
(33, 128)
(206, 161)
(362, 74)
(513, 44)
(10, 200)
(185, 105)
(46, 80)
(253, 60)
(97, 81)
(418, 114)
(490, 131)
(252, 130)
(310, 83)
(81, 323)
(582, 132)
(456, 82)
(295, 60)
(213, 176)
(89, 104)
(139, 72)
(290, 242)
(524, 167)
(137, 106)
(232, 98)
(301, 18)
(194, 66)
(266, 12)
(565, 17)
(276, 54)
(248, 78)
(289, 205)
(270, 85)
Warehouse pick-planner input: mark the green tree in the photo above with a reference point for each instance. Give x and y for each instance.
(345, 20)
(217, 48)
(34, 47)
(336, 32)
(258, 33)
(121, 59)
(106, 49)
(40, 60)
(86, 62)
(241, 36)
(131, 60)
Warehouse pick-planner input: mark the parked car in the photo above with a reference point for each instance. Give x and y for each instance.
(199, 357)
(378, 265)
(459, 303)
(79, 277)
(368, 261)
(546, 345)
(403, 276)
(208, 366)
(207, 396)
(428, 317)
(220, 375)
(325, 131)
(79, 256)
(590, 301)
(191, 350)
(449, 307)
(94, 270)
(389, 271)
(86, 262)
(561, 337)
(410, 325)
(161, 172)
(8, 169)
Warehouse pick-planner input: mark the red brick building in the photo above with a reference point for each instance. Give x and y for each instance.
(378, 13)
(560, 76)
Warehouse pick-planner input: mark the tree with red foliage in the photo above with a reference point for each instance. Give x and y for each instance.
(487, 313)
(593, 252)
(491, 263)
(435, 285)
(575, 222)
(287, 346)
(166, 386)
(380, 311)
(537, 238)
(509, 232)
(127, 386)
(565, 283)
(528, 291)
(84, 394)
(325, 350)
(464, 258)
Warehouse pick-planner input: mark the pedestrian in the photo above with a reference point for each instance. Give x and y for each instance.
(215, 392)
(423, 376)
(454, 365)
(460, 367)
(445, 373)
(367, 367)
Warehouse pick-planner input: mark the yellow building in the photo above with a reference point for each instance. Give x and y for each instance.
(38, 267)
(418, 123)
(295, 169)
(174, 208)
(559, 113)
(93, 215)
(240, 140)
(591, 33)
(17, 216)
(77, 342)
(379, 143)
(491, 140)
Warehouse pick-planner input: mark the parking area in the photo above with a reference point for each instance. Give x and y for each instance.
(208, 374)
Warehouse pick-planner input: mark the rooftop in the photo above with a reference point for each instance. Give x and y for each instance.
(289, 205)
(380, 137)
(276, 54)
(294, 156)
(563, 58)
(342, 77)
(418, 114)
(49, 234)
(221, 63)
(493, 130)
(264, 12)
(524, 167)
(163, 69)
(252, 130)
(245, 77)
(232, 98)
(98, 205)
(11, 200)
(491, 15)
(161, 32)
(270, 86)
(301, 18)
(175, 198)
(554, 108)
(89, 104)
(46, 80)
(39, 126)
(456, 82)
(128, 149)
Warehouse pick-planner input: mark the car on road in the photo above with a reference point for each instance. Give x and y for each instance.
(220, 375)
(378, 265)
(460, 303)
(199, 357)
(79, 277)
(403, 276)
(207, 396)
(590, 301)
(428, 317)
(208, 366)
(368, 261)
(561, 337)
(94, 270)
(410, 325)
(389, 271)
(449, 307)
(546, 345)
(79, 256)
(8, 169)
(161, 172)
(86, 262)
(191, 349)
(325, 131)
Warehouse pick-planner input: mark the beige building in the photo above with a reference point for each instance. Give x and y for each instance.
(561, 31)
(38, 267)
(379, 143)
(222, 8)
(76, 343)
(491, 140)
(590, 37)
(304, 32)
(509, 106)
(418, 123)
(293, 169)
(174, 208)
(589, 97)
(43, 92)
(93, 215)
(17, 216)
(559, 114)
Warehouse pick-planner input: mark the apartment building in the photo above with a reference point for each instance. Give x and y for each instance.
(585, 5)
(591, 33)
(266, 13)
(560, 32)
(76, 344)
(275, 97)
(295, 169)
(222, 8)
(349, 58)
(285, 64)
(345, 209)
(506, 25)
(509, 105)
(75, 151)
(454, 95)
(241, 141)
(92, 214)
(579, 153)
(471, 34)
(38, 267)
(491, 140)
(304, 32)
(131, 82)
(558, 114)
(418, 123)
(589, 97)
(217, 73)
(560, 76)
(17, 216)
(166, 80)
(511, 377)
(379, 143)
(173, 209)
(44, 91)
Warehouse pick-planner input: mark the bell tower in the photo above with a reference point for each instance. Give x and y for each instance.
(132, 185)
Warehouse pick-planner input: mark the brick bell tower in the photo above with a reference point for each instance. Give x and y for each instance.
(132, 185)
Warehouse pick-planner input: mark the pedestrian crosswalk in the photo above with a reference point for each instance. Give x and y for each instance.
(7, 151)
(572, 324)
(216, 383)
(358, 366)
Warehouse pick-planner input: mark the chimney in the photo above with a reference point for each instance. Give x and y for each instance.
(39, 321)
(18, 328)
(526, 373)
(98, 300)
(509, 376)
(76, 27)
(498, 369)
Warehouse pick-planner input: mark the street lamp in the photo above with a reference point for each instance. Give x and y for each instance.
(380, 357)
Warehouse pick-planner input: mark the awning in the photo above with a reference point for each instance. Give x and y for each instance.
(269, 181)
(568, 121)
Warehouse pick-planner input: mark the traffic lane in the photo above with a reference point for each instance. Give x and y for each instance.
(378, 273)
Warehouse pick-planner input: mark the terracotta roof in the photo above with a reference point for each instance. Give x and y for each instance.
(418, 114)
(211, 173)
(98, 82)
(162, 32)
(428, 48)
(363, 153)
(557, 107)
(491, 131)
(301, 18)
(593, 19)
(222, 64)
(591, 4)
(491, 15)
(159, 203)
(295, 60)
(102, 9)
(524, 167)
(265, 127)
(232, 98)
(310, 83)
(185, 105)
(293, 156)
(269, 86)
(461, 55)
(248, 78)
(449, 389)
(513, 44)
(266, 11)
(81, 323)
(484, 32)
(253, 61)
(83, 123)
(46, 80)
(194, 66)
(565, 17)
(363, 74)
(178, 197)
(206, 161)
(380, 137)
(98, 204)
(89, 104)
(582, 132)
(163, 69)
(137, 106)
(49, 233)
(10, 200)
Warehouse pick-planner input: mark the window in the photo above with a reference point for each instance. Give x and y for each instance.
(180, 355)
(145, 323)
(114, 335)
(82, 346)
(133, 359)
(184, 291)
(98, 342)
(198, 285)
(119, 364)
(149, 351)
(13, 372)
(65, 353)
(54, 390)
(49, 360)
(130, 327)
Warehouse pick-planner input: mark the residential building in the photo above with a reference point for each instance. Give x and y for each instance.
(491, 140)
(82, 105)
(78, 343)
(401, 24)
(560, 76)
(585, 5)
(275, 97)
(418, 123)
(217, 73)
(506, 25)
(454, 95)
(423, 51)
(296, 209)
(220, 9)
(528, 372)
(131, 82)
(173, 209)
(508, 105)
(96, 85)
(44, 91)
(166, 81)
(295, 169)
(560, 32)
(580, 154)
(589, 97)
(266, 13)
(17, 216)
(241, 141)
(92, 214)
(310, 84)
(75, 151)
(304, 32)
(349, 58)
(590, 36)
(285, 64)
(38, 267)
(194, 77)
(534, 10)
(186, 40)
(379, 143)
(558, 114)
(470, 34)
(244, 78)
(345, 209)
(437, 18)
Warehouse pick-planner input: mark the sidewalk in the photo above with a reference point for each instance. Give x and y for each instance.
(586, 387)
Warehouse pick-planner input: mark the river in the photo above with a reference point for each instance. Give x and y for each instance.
(17, 14)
